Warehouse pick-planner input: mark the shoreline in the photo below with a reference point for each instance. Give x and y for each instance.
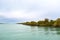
(46, 22)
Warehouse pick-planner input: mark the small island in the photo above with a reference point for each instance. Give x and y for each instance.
(46, 22)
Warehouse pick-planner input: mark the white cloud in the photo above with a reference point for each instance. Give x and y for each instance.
(24, 14)
(29, 9)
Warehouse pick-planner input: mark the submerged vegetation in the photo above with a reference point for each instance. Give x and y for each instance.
(46, 22)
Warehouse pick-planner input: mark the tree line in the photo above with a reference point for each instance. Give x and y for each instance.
(45, 22)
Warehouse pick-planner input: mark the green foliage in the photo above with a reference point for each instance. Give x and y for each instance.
(40, 23)
(32, 23)
(51, 22)
(46, 22)
(57, 23)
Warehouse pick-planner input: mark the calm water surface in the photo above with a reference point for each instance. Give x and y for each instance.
(23, 32)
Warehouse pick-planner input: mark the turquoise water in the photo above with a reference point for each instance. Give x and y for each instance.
(23, 32)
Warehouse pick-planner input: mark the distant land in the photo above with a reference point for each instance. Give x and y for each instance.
(2, 23)
(46, 22)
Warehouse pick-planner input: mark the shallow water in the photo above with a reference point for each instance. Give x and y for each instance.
(23, 32)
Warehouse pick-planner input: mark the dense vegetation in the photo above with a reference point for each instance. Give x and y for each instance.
(46, 22)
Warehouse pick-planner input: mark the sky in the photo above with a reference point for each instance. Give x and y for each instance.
(28, 10)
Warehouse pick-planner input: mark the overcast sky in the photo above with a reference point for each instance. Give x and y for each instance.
(29, 9)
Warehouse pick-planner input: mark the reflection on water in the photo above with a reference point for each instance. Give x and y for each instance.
(23, 32)
(58, 30)
(46, 30)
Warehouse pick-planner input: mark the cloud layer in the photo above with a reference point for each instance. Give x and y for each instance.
(30, 9)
